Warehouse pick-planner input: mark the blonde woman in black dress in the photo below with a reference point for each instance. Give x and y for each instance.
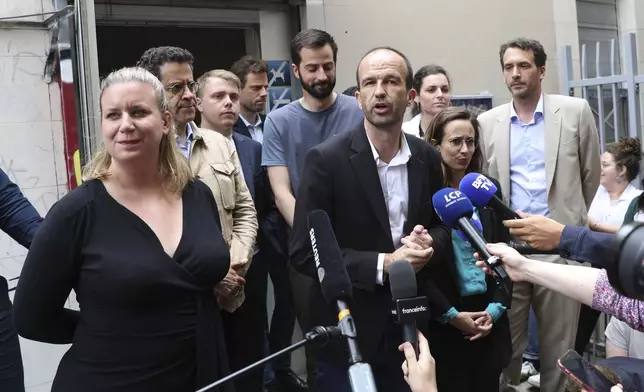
(140, 243)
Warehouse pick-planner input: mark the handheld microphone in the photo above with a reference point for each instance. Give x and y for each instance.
(526, 249)
(408, 307)
(455, 209)
(481, 192)
(336, 289)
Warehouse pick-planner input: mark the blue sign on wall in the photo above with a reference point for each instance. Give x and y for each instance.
(279, 73)
(278, 97)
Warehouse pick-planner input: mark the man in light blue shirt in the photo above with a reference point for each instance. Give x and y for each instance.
(544, 150)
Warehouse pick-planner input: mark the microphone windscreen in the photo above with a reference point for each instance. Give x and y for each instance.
(478, 188)
(451, 205)
(402, 280)
(332, 273)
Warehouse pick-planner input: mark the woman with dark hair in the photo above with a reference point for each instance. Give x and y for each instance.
(433, 94)
(610, 209)
(471, 343)
(620, 166)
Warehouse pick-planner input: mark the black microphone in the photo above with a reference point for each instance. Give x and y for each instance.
(526, 249)
(336, 289)
(408, 307)
(482, 193)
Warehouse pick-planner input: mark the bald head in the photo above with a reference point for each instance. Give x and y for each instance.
(385, 57)
(384, 78)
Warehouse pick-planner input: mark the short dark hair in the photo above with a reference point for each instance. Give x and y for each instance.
(409, 78)
(311, 39)
(420, 75)
(154, 58)
(350, 91)
(527, 45)
(627, 153)
(248, 64)
(436, 131)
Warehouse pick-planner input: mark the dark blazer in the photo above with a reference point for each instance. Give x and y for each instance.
(340, 177)
(272, 227)
(241, 128)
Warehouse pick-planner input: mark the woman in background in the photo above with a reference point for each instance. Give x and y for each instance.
(620, 166)
(472, 344)
(433, 95)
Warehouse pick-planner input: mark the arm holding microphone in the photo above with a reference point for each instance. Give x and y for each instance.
(571, 242)
(589, 286)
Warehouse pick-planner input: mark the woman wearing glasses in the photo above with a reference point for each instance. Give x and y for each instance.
(471, 343)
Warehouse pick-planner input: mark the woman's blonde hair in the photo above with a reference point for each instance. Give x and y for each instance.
(174, 168)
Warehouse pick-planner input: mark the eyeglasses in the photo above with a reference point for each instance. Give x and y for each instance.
(457, 143)
(178, 88)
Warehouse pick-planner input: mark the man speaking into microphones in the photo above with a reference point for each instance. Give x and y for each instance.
(375, 184)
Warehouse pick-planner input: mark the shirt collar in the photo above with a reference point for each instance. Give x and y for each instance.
(189, 132)
(402, 157)
(538, 111)
(629, 193)
(248, 124)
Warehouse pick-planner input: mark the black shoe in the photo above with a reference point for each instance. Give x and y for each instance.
(290, 382)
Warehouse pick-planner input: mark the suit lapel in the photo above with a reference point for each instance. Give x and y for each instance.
(241, 127)
(415, 175)
(246, 162)
(502, 136)
(552, 135)
(366, 172)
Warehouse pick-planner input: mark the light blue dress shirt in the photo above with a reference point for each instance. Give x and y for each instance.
(528, 190)
(185, 148)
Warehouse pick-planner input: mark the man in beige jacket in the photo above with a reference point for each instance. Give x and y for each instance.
(544, 150)
(213, 161)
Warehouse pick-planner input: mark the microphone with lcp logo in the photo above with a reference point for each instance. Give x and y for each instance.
(408, 307)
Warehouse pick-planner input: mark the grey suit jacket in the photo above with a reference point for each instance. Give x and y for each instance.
(572, 155)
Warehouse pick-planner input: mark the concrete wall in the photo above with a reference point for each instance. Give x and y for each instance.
(463, 36)
(630, 14)
(31, 152)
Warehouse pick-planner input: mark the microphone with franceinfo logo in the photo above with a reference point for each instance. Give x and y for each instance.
(455, 210)
(408, 307)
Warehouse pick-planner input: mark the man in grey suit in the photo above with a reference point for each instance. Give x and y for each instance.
(544, 150)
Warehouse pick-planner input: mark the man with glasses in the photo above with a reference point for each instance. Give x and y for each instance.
(213, 160)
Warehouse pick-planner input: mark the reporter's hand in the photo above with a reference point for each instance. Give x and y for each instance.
(231, 285)
(537, 231)
(513, 262)
(420, 374)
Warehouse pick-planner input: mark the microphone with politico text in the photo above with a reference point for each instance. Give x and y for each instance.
(408, 307)
(336, 289)
(455, 210)
(482, 193)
